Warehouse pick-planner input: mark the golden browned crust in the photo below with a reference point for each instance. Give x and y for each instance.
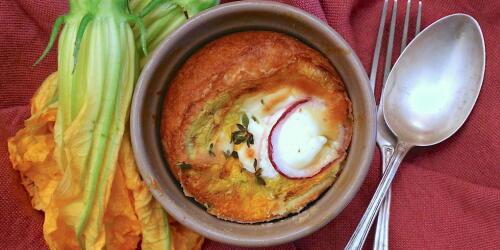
(234, 65)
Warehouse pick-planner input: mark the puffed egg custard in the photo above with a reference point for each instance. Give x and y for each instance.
(256, 125)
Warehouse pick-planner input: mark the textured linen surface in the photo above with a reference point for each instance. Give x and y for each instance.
(444, 197)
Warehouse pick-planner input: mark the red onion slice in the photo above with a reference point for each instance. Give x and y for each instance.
(277, 160)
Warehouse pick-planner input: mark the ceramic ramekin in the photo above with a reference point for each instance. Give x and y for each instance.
(173, 52)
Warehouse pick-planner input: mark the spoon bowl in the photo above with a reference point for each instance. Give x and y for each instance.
(434, 85)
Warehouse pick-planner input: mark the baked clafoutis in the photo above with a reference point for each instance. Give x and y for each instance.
(255, 125)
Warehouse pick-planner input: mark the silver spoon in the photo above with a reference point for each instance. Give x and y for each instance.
(429, 94)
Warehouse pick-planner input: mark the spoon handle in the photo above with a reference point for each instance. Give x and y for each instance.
(358, 238)
(382, 229)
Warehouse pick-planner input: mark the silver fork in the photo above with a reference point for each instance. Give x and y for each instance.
(385, 139)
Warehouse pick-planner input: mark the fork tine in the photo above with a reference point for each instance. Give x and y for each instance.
(378, 44)
(419, 17)
(405, 28)
(390, 45)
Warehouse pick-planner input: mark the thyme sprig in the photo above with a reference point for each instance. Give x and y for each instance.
(242, 135)
(258, 174)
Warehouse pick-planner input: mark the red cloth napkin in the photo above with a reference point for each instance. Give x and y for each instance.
(444, 197)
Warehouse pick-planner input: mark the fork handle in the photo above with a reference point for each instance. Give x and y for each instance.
(382, 228)
(358, 238)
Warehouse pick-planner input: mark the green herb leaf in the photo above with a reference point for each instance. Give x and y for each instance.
(242, 135)
(255, 119)
(211, 150)
(183, 165)
(234, 154)
(241, 127)
(244, 120)
(258, 174)
(260, 181)
(239, 137)
(249, 140)
(262, 101)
